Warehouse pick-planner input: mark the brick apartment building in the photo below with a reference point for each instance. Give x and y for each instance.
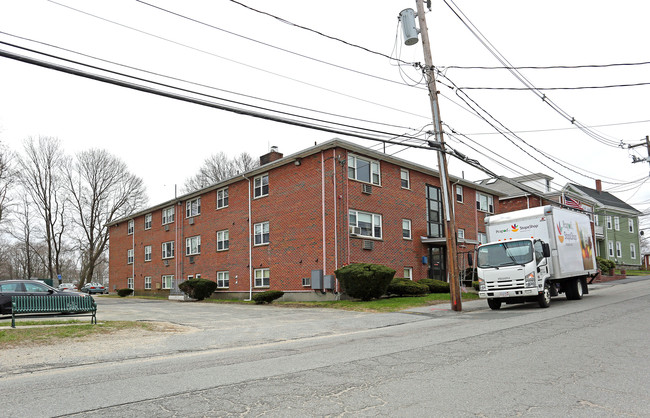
(319, 209)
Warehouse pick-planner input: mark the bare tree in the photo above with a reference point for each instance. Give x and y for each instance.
(101, 189)
(41, 176)
(219, 167)
(7, 177)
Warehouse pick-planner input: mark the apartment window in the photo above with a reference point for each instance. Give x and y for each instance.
(459, 193)
(261, 186)
(129, 228)
(630, 225)
(484, 203)
(434, 213)
(223, 240)
(129, 283)
(363, 169)
(406, 179)
(167, 281)
(193, 245)
(461, 234)
(147, 283)
(619, 250)
(633, 251)
(610, 248)
(596, 220)
(262, 278)
(222, 198)
(193, 207)
(408, 273)
(223, 279)
(129, 256)
(147, 221)
(609, 222)
(168, 215)
(261, 233)
(617, 223)
(368, 224)
(168, 249)
(406, 228)
(482, 238)
(147, 253)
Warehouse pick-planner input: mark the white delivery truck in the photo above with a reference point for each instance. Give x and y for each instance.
(535, 253)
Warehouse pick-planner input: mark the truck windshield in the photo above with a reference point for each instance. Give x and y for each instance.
(505, 254)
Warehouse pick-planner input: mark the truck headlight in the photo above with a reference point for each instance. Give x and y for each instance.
(529, 280)
(481, 285)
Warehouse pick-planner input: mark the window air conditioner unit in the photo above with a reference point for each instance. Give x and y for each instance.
(367, 188)
(355, 230)
(191, 259)
(191, 221)
(368, 245)
(166, 227)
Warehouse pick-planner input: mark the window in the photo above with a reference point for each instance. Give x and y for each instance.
(633, 251)
(168, 249)
(617, 223)
(129, 283)
(406, 180)
(459, 193)
(167, 281)
(129, 228)
(223, 240)
(406, 228)
(408, 273)
(484, 203)
(368, 224)
(193, 245)
(261, 186)
(193, 207)
(262, 233)
(596, 220)
(610, 248)
(223, 279)
(168, 215)
(461, 234)
(609, 222)
(129, 256)
(147, 253)
(363, 169)
(618, 249)
(482, 238)
(147, 283)
(222, 198)
(630, 225)
(434, 213)
(147, 221)
(262, 278)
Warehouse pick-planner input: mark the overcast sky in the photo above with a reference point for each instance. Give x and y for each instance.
(164, 141)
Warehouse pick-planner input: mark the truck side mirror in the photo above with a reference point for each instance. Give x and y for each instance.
(546, 249)
(470, 261)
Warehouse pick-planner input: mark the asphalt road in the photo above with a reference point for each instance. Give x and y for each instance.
(577, 358)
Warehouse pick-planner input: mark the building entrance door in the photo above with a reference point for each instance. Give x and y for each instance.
(437, 263)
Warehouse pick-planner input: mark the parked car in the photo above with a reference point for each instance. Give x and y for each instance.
(68, 286)
(9, 288)
(91, 288)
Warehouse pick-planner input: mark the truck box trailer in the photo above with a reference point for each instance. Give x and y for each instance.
(536, 253)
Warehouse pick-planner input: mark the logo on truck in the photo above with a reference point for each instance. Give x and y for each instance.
(514, 228)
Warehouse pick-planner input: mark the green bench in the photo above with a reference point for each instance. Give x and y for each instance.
(71, 304)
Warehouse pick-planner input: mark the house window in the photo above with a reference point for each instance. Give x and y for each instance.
(406, 179)
(222, 198)
(261, 233)
(434, 213)
(129, 283)
(193, 245)
(610, 248)
(596, 220)
(193, 207)
(619, 253)
(459, 193)
(262, 278)
(406, 228)
(129, 228)
(633, 251)
(408, 273)
(167, 281)
(168, 249)
(461, 234)
(223, 279)
(261, 186)
(630, 225)
(363, 169)
(482, 238)
(147, 253)
(129, 256)
(168, 215)
(368, 224)
(147, 283)
(223, 240)
(609, 222)
(147, 221)
(617, 223)
(484, 203)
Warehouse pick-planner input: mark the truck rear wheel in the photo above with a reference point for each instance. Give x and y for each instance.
(494, 304)
(544, 298)
(574, 291)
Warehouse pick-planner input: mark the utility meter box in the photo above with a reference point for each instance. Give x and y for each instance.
(317, 279)
(328, 282)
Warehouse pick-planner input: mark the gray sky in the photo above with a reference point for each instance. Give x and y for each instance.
(164, 140)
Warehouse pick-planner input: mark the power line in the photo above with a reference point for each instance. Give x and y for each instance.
(561, 129)
(609, 86)
(547, 67)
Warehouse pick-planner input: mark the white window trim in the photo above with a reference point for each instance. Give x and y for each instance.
(372, 164)
(374, 217)
(130, 227)
(462, 194)
(166, 277)
(410, 237)
(261, 187)
(619, 249)
(190, 242)
(408, 178)
(221, 279)
(410, 273)
(461, 233)
(632, 251)
(147, 253)
(130, 284)
(608, 220)
(490, 202)
(617, 223)
(226, 232)
(130, 256)
(482, 237)
(166, 215)
(255, 234)
(148, 220)
(173, 250)
(224, 193)
(630, 225)
(262, 277)
(147, 283)
(190, 207)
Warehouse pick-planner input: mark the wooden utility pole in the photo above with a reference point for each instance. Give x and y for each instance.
(447, 193)
(647, 144)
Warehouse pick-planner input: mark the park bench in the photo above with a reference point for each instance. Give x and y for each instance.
(68, 304)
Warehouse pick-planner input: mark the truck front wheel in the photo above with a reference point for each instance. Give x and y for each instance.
(494, 304)
(544, 298)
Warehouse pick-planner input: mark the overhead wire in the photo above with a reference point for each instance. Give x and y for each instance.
(548, 67)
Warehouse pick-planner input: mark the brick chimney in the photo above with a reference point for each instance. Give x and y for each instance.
(599, 186)
(271, 156)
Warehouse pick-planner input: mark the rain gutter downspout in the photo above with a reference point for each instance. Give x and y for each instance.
(250, 247)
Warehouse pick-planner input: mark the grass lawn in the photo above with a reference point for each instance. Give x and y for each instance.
(635, 272)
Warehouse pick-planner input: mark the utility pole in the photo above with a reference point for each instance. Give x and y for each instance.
(647, 144)
(447, 193)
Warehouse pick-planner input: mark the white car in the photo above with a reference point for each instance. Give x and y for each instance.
(68, 287)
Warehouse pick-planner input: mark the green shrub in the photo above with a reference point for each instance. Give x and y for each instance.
(404, 287)
(267, 297)
(124, 292)
(475, 286)
(438, 286)
(605, 265)
(428, 283)
(365, 281)
(198, 289)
